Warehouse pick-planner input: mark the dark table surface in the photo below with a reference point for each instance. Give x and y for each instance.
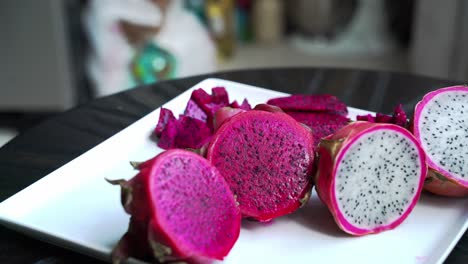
(56, 141)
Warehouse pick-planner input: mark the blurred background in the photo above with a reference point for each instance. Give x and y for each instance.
(56, 54)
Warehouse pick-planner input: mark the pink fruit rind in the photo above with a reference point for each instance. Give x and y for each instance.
(463, 189)
(326, 183)
(224, 114)
(268, 108)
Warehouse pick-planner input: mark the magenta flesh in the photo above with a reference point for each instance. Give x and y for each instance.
(267, 160)
(322, 103)
(192, 212)
(398, 117)
(321, 124)
(165, 116)
(193, 110)
(186, 132)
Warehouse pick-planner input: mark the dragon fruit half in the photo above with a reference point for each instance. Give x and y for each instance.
(181, 209)
(267, 160)
(441, 126)
(370, 176)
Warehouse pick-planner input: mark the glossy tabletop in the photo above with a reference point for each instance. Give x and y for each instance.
(56, 141)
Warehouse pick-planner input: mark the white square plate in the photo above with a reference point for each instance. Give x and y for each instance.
(75, 207)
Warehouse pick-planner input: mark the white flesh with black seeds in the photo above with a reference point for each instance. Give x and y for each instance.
(443, 125)
(377, 178)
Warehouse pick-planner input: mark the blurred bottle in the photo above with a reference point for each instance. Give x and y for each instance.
(268, 20)
(220, 17)
(321, 18)
(244, 20)
(198, 8)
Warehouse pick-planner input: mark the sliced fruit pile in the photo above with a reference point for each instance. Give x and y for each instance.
(194, 128)
(261, 163)
(324, 114)
(398, 117)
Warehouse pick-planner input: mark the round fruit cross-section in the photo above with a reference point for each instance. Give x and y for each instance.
(378, 178)
(193, 205)
(441, 125)
(267, 159)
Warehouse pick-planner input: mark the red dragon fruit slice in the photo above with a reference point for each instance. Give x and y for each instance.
(370, 176)
(321, 124)
(165, 116)
(193, 110)
(245, 105)
(201, 97)
(224, 114)
(220, 96)
(298, 102)
(186, 132)
(399, 117)
(440, 124)
(201, 103)
(167, 138)
(181, 209)
(267, 160)
(268, 108)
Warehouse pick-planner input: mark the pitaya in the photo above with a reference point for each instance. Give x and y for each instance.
(268, 108)
(322, 124)
(244, 105)
(165, 116)
(194, 128)
(310, 103)
(223, 114)
(370, 176)
(193, 110)
(398, 118)
(267, 160)
(441, 126)
(324, 114)
(185, 132)
(181, 209)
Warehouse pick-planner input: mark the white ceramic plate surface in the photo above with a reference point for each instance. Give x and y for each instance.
(74, 207)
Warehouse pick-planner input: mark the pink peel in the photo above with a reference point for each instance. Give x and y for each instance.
(332, 151)
(440, 180)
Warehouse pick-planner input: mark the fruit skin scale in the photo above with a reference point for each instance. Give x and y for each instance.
(443, 185)
(331, 151)
(439, 180)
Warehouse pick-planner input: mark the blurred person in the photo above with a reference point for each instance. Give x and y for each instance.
(142, 41)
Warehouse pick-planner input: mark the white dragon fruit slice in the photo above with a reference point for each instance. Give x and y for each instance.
(441, 126)
(370, 176)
